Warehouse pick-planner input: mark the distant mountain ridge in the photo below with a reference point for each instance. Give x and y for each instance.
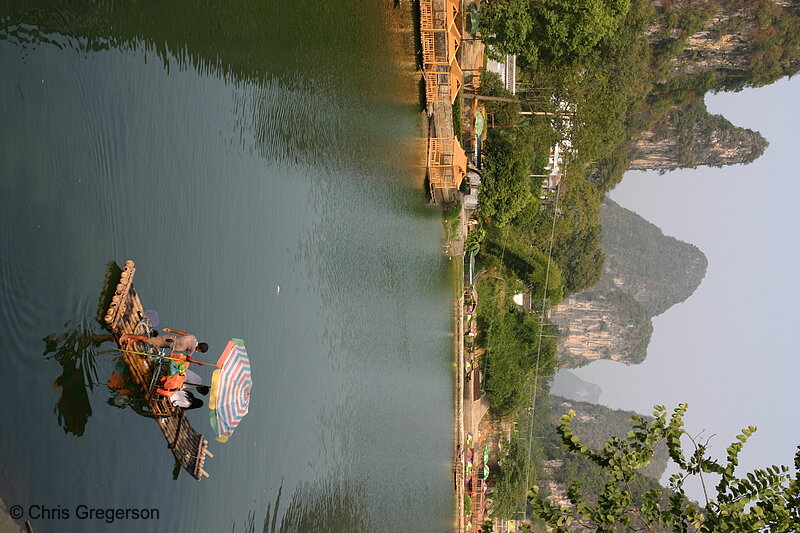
(659, 271)
(645, 273)
(570, 386)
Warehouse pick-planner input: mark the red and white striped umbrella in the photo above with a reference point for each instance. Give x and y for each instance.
(230, 389)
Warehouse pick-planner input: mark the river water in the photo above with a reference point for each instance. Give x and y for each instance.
(227, 149)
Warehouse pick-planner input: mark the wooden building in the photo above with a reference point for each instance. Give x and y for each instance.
(439, 47)
(443, 83)
(438, 15)
(439, 31)
(447, 163)
(440, 39)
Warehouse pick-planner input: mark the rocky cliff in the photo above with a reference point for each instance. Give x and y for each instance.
(689, 137)
(601, 324)
(744, 43)
(712, 45)
(645, 273)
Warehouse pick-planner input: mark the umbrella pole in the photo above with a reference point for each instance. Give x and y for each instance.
(165, 357)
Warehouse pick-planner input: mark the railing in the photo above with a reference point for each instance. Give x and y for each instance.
(437, 86)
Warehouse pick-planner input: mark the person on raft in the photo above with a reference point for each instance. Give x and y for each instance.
(185, 400)
(184, 397)
(181, 342)
(174, 385)
(178, 388)
(194, 381)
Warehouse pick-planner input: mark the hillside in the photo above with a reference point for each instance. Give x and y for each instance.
(710, 45)
(645, 273)
(689, 136)
(739, 43)
(595, 424)
(659, 271)
(637, 72)
(699, 46)
(601, 324)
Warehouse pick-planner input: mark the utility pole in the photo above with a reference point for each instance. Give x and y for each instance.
(547, 113)
(482, 98)
(490, 98)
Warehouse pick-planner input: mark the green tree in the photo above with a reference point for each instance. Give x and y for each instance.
(578, 210)
(510, 477)
(504, 114)
(542, 277)
(562, 30)
(766, 499)
(506, 185)
(569, 29)
(512, 345)
(510, 24)
(581, 259)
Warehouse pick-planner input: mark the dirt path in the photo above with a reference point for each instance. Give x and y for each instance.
(456, 251)
(458, 464)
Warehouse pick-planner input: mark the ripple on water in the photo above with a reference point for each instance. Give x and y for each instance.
(18, 307)
(293, 173)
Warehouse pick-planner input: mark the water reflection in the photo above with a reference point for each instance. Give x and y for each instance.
(75, 350)
(125, 392)
(322, 506)
(284, 116)
(239, 40)
(297, 106)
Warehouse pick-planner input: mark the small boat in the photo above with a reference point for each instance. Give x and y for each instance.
(124, 314)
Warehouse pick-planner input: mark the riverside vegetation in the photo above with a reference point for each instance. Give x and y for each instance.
(624, 81)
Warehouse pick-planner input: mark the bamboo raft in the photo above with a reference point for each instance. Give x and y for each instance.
(123, 312)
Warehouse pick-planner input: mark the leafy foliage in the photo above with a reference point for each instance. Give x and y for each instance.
(596, 424)
(513, 346)
(627, 66)
(505, 183)
(505, 114)
(766, 499)
(474, 240)
(510, 482)
(580, 257)
(511, 25)
(569, 29)
(623, 68)
(528, 264)
(512, 349)
(553, 29)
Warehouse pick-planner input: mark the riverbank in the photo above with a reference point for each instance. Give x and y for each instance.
(456, 236)
(446, 166)
(471, 404)
(7, 523)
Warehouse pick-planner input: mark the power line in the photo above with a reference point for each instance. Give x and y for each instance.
(539, 348)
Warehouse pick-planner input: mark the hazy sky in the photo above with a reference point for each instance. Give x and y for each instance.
(731, 350)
